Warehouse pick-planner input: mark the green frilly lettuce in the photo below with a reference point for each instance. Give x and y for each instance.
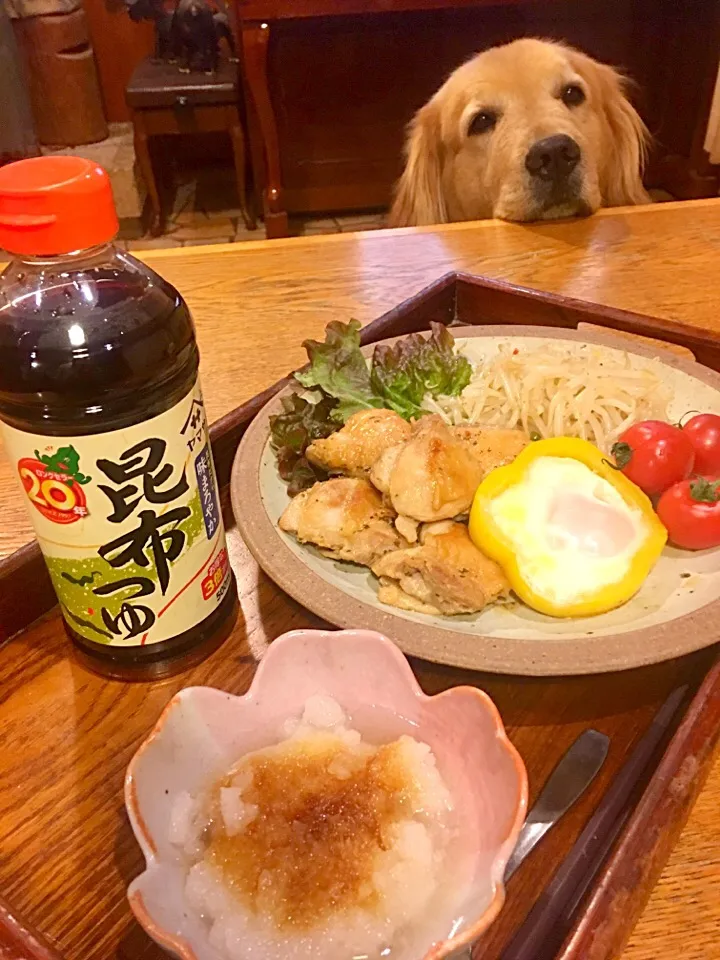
(398, 379)
(403, 373)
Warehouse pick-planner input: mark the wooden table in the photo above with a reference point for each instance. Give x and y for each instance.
(253, 304)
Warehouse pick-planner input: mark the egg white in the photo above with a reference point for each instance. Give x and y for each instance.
(571, 531)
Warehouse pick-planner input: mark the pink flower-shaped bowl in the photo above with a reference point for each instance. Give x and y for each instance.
(203, 732)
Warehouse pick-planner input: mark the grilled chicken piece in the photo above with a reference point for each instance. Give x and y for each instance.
(447, 574)
(407, 528)
(355, 448)
(431, 477)
(383, 467)
(490, 447)
(345, 518)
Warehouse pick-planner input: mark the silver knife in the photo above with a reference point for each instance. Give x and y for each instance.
(569, 780)
(566, 784)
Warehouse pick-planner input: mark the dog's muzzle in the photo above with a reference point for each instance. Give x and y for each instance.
(553, 159)
(555, 172)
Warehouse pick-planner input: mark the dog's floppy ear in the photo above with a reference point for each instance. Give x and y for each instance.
(622, 179)
(625, 152)
(419, 196)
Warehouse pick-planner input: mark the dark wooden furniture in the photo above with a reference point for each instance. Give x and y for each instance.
(331, 84)
(165, 101)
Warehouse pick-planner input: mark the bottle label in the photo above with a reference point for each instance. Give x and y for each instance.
(130, 525)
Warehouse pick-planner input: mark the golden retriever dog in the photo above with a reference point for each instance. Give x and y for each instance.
(533, 130)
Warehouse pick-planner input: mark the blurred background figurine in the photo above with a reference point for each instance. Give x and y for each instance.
(188, 33)
(195, 33)
(162, 19)
(223, 29)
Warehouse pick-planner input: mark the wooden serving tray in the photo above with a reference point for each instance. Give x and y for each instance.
(66, 848)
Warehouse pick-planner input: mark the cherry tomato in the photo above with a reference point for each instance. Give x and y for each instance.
(654, 455)
(690, 510)
(703, 432)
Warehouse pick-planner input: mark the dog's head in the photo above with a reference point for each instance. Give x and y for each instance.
(532, 130)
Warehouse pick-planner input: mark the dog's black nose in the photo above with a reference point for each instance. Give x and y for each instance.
(553, 158)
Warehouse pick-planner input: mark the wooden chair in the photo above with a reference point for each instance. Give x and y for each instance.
(165, 101)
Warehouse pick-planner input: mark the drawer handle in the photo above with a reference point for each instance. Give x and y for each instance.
(182, 101)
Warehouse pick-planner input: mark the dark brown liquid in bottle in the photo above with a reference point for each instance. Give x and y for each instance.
(91, 347)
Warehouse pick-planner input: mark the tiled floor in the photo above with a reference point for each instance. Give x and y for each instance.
(201, 229)
(205, 211)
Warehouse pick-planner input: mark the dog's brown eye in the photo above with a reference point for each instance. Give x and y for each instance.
(572, 95)
(482, 122)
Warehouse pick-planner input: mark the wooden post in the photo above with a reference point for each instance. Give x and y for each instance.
(255, 39)
(17, 130)
(62, 78)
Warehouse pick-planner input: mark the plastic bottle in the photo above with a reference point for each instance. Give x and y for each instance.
(104, 426)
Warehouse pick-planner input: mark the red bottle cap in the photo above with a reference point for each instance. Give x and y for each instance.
(55, 205)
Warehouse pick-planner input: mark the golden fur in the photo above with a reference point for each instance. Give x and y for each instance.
(453, 175)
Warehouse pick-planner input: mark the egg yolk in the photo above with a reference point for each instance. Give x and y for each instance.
(586, 524)
(571, 531)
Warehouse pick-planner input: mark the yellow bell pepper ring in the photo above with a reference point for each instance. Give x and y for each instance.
(591, 560)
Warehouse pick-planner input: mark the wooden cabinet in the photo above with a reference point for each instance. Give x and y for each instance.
(331, 84)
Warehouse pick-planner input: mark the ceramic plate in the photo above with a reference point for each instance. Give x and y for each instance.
(674, 613)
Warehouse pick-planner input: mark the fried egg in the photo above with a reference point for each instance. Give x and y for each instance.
(577, 544)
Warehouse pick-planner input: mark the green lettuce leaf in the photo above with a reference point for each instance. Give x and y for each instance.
(400, 374)
(403, 373)
(303, 476)
(339, 369)
(292, 432)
